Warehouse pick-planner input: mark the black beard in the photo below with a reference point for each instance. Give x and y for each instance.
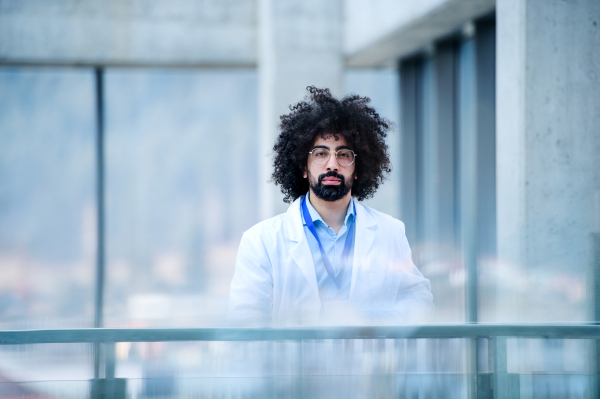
(330, 192)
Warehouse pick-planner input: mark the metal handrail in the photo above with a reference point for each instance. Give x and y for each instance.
(501, 386)
(556, 331)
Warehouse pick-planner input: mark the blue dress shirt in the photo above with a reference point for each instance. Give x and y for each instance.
(333, 245)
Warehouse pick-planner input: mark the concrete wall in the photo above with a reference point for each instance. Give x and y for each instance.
(184, 32)
(210, 32)
(300, 45)
(548, 141)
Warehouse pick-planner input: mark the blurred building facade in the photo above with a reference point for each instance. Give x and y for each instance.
(495, 163)
(496, 166)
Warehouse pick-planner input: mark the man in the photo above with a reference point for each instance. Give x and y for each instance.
(329, 259)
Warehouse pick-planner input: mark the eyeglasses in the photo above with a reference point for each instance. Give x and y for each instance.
(321, 156)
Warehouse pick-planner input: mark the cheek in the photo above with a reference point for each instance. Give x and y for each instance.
(314, 172)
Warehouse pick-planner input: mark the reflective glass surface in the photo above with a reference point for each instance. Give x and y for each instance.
(47, 198)
(381, 86)
(47, 224)
(181, 188)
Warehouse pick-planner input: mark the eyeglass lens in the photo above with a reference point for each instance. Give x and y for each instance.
(320, 156)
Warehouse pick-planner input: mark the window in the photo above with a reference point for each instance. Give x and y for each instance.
(181, 188)
(448, 165)
(47, 198)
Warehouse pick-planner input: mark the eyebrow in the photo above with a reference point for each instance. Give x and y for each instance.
(342, 147)
(339, 147)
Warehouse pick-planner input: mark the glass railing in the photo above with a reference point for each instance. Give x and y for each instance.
(433, 361)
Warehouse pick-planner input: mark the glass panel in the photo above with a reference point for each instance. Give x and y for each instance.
(467, 173)
(409, 147)
(433, 368)
(320, 368)
(181, 188)
(45, 370)
(381, 86)
(47, 198)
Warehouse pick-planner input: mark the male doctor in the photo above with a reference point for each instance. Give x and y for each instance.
(328, 259)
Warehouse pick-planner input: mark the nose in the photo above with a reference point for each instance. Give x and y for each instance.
(332, 163)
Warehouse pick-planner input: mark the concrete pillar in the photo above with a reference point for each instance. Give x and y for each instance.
(299, 45)
(548, 146)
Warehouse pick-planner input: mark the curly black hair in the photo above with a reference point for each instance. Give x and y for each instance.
(322, 114)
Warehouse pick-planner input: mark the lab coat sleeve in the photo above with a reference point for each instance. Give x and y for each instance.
(251, 295)
(414, 301)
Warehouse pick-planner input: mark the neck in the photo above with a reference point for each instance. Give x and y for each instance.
(332, 212)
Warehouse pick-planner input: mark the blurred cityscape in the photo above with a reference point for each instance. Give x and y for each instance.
(174, 107)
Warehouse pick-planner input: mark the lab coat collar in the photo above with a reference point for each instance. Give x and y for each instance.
(315, 215)
(294, 230)
(293, 226)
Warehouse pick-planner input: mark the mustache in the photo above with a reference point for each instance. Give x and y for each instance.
(332, 173)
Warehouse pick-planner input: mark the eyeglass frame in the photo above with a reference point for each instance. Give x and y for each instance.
(336, 155)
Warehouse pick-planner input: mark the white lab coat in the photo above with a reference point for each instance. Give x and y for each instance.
(275, 281)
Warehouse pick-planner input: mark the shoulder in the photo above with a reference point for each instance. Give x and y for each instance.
(288, 224)
(382, 219)
(267, 228)
(259, 240)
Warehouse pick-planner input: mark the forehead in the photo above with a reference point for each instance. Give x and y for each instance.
(330, 142)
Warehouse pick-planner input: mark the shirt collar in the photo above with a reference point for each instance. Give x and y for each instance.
(316, 217)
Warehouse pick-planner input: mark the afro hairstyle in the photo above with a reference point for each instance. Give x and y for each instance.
(322, 114)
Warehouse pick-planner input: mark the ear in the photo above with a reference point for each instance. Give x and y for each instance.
(304, 173)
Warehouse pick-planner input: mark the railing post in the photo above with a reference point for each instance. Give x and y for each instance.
(108, 387)
(472, 370)
(499, 363)
(109, 360)
(504, 385)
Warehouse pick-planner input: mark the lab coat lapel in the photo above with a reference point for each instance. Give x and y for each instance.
(300, 250)
(365, 233)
